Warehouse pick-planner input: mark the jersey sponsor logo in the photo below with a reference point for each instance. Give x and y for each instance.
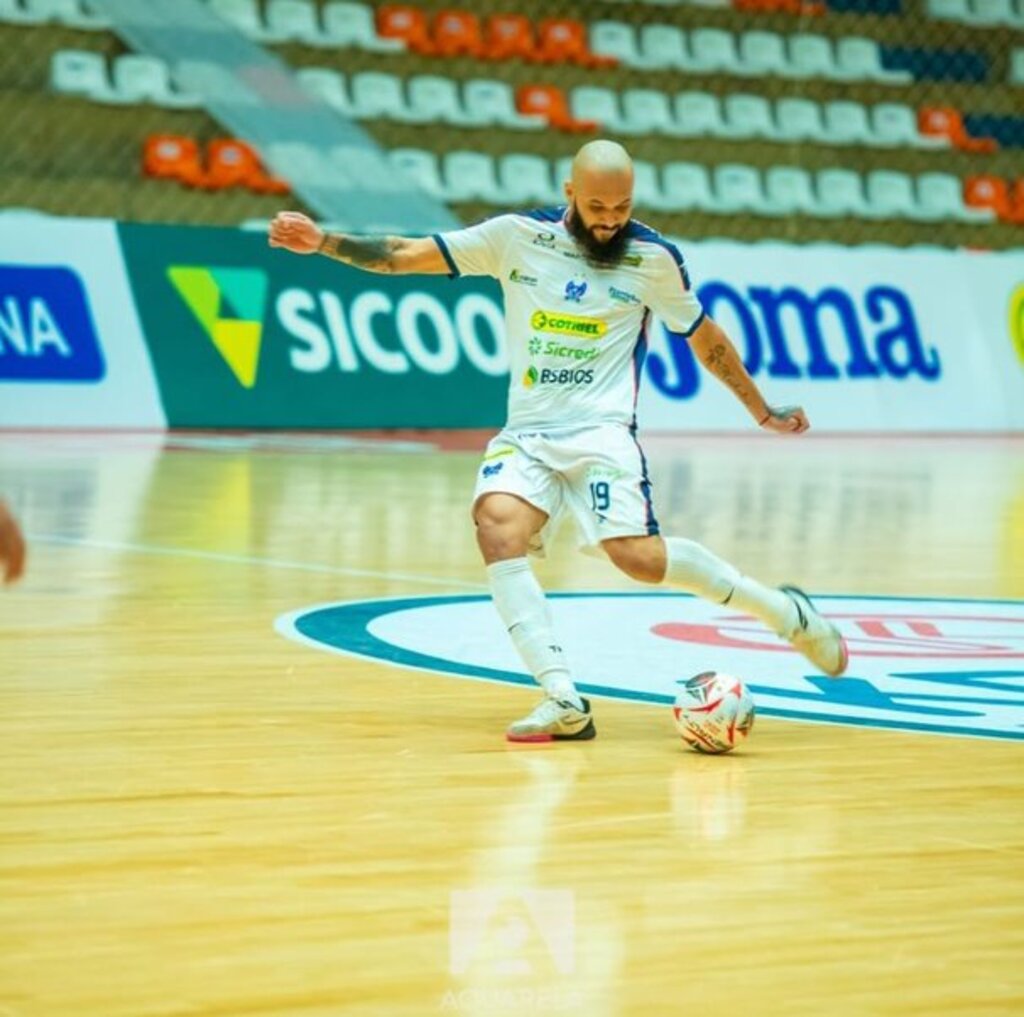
(575, 291)
(228, 303)
(493, 470)
(559, 351)
(622, 296)
(544, 240)
(557, 376)
(1017, 321)
(917, 664)
(568, 324)
(46, 327)
(781, 332)
(522, 278)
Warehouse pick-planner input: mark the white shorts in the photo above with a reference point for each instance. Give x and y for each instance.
(597, 475)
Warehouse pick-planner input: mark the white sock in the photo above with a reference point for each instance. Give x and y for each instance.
(524, 610)
(692, 567)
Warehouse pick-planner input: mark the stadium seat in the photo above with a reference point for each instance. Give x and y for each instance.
(599, 105)
(405, 23)
(687, 186)
(763, 53)
(247, 17)
(846, 123)
(509, 37)
(988, 192)
(738, 189)
(527, 178)
(748, 116)
(81, 72)
(457, 33)
(648, 111)
(713, 50)
(946, 122)
(493, 102)
(173, 157)
(231, 162)
(73, 13)
(992, 13)
(948, 10)
(789, 191)
(799, 120)
(890, 195)
(840, 193)
(647, 191)
(1016, 72)
(617, 40)
(550, 102)
(326, 85)
(421, 168)
(940, 196)
(375, 94)
(352, 24)
(25, 12)
(433, 98)
(564, 41)
(859, 59)
(294, 20)
(698, 114)
(663, 47)
(470, 176)
(811, 56)
(141, 78)
(894, 125)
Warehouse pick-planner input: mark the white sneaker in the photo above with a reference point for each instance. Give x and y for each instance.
(817, 639)
(554, 720)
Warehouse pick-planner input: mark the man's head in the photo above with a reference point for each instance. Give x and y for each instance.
(600, 196)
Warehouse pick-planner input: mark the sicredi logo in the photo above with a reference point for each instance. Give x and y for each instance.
(229, 304)
(46, 327)
(919, 664)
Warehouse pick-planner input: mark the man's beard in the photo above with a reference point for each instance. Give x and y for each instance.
(600, 253)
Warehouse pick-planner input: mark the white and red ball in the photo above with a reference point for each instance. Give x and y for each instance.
(714, 712)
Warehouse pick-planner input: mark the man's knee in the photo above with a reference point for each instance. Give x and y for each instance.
(641, 558)
(504, 526)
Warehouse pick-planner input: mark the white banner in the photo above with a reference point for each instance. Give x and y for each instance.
(72, 352)
(865, 339)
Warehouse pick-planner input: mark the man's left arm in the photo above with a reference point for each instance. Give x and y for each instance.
(715, 351)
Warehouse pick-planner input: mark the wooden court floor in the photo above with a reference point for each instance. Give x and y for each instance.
(201, 817)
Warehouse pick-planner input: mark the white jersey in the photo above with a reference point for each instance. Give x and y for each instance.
(576, 333)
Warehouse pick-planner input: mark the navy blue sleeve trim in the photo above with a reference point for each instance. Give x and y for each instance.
(454, 272)
(693, 328)
(553, 214)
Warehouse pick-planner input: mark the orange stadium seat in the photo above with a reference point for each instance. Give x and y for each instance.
(564, 41)
(947, 122)
(401, 21)
(991, 192)
(233, 163)
(173, 157)
(509, 37)
(550, 102)
(798, 8)
(457, 33)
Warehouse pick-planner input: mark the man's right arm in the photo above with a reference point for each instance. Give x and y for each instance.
(389, 255)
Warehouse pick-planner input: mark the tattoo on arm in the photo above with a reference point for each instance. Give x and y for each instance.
(374, 254)
(718, 363)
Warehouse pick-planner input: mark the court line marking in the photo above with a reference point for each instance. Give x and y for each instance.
(248, 559)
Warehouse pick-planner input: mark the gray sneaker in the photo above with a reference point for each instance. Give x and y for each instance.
(817, 639)
(554, 720)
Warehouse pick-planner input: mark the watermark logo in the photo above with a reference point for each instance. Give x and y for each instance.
(229, 304)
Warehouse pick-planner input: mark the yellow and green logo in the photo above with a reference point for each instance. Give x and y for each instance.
(568, 324)
(1017, 321)
(530, 378)
(229, 304)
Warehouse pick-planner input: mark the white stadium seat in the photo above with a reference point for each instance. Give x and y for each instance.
(799, 120)
(712, 50)
(789, 190)
(648, 111)
(894, 125)
(1016, 75)
(738, 189)
(138, 77)
(326, 85)
(688, 187)
(698, 114)
(351, 24)
(598, 104)
(421, 168)
(860, 60)
(941, 196)
(615, 39)
(890, 195)
(492, 102)
(527, 178)
(763, 53)
(991, 12)
(294, 20)
(841, 193)
(811, 56)
(433, 98)
(663, 47)
(748, 116)
(846, 123)
(375, 94)
(246, 16)
(470, 176)
(948, 10)
(83, 73)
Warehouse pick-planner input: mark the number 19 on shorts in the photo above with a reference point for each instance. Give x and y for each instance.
(600, 496)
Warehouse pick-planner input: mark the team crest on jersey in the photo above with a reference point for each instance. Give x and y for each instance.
(544, 240)
(574, 291)
(916, 664)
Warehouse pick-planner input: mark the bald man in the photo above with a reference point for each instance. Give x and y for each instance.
(12, 546)
(580, 282)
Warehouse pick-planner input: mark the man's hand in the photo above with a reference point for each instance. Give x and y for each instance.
(12, 546)
(295, 232)
(785, 420)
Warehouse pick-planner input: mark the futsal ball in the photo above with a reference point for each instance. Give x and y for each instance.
(714, 712)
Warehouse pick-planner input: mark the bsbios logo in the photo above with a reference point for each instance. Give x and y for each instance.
(229, 304)
(568, 324)
(565, 376)
(1017, 321)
